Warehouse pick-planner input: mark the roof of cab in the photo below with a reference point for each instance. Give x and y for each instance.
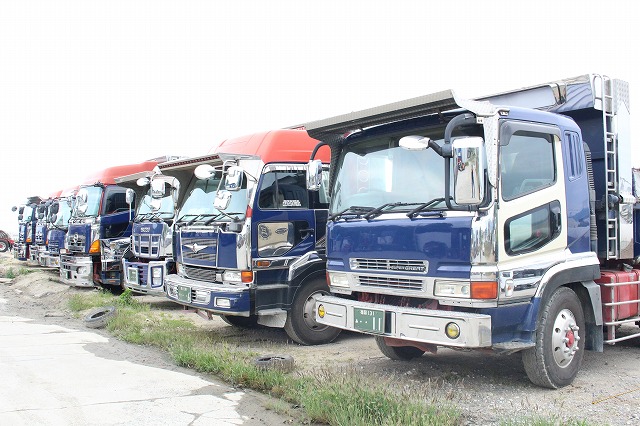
(107, 176)
(284, 145)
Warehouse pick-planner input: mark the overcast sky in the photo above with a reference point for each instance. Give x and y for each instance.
(90, 84)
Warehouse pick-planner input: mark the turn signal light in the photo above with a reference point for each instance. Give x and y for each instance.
(247, 276)
(484, 290)
(95, 247)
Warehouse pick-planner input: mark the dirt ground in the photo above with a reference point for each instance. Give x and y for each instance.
(488, 388)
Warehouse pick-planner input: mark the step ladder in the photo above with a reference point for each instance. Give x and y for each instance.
(607, 101)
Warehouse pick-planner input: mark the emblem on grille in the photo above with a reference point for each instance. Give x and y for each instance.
(75, 238)
(195, 247)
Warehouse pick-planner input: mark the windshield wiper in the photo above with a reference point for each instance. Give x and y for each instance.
(354, 210)
(425, 207)
(379, 210)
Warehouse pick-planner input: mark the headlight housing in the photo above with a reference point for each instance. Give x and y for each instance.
(338, 279)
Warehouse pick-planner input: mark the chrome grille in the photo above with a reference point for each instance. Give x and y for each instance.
(147, 245)
(390, 282)
(39, 238)
(200, 274)
(390, 265)
(53, 247)
(210, 243)
(78, 244)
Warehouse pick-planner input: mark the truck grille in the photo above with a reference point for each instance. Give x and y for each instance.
(202, 249)
(53, 247)
(147, 245)
(390, 265)
(77, 243)
(391, 282)
(200, 274)
(39, 238)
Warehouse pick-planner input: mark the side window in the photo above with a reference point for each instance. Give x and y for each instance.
(576, 155)
(532, 229)
(116, 202)
(527, 163)
(284, 190)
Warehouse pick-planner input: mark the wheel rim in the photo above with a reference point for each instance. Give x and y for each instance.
(309, 312)
(565, 338)
(3, 246)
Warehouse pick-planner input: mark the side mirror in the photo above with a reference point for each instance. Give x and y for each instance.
(468, 170)
(130, 195)
(176, 190)
(314, 175)
(223, 198)
(20, 217)
(55, 208)
(53, 218)
(14, 208)
(157, 188)
(21, 210)
(204, 171)
(233, 180)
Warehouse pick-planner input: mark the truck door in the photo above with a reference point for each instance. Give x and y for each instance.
(532, 231)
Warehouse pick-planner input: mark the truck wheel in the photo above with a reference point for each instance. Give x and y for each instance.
(241, 322)
(4, 246)
(301, 325)
(398, 353)
(556, 358)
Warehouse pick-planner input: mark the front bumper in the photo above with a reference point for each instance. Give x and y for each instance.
(212, 297)
(48, 260)
(32, 260)
(20, 251)
(76, 271)
(139, 276)
(412, 324)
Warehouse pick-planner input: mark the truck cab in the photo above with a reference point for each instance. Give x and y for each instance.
(58, 215)
(40, 235)
(27, 219)
(150, 255)
(504, 223)
(249, 236)
(99, 222)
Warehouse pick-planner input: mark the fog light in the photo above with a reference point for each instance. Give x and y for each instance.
(222, 302)
(452, 330)
(321, 311)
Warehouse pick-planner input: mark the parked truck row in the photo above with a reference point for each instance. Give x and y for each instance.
(506, 223)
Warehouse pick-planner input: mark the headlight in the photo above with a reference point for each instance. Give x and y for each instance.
(180, 269)
(156, 275)
(232, 276)
(452, 289)
(338, 279)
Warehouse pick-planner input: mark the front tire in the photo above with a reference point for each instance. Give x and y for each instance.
(398, 353)
(301, 325)
(557, 356)
(4, 246)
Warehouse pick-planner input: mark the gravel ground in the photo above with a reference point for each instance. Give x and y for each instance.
(488, 388)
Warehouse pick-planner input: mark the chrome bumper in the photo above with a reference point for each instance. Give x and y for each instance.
(413, 324)
(76, 271)
(138, 277)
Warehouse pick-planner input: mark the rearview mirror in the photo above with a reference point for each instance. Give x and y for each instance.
(314, 175)
(468, 170)
(233, 180)
(157, 188)
(130, 195)
(222, 200)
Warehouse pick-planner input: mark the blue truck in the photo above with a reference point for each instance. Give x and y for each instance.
(149, 257)
(27, 220)
(249, 237)
(507, 223)
(99, 229)
(51, 233)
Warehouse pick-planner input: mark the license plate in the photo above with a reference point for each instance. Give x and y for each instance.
(132, 275)
(184, 293)
(368, 320)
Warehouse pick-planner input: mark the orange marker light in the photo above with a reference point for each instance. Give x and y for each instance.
(247, 276)
(484, 290)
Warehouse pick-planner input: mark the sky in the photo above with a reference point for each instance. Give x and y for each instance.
(87, 84)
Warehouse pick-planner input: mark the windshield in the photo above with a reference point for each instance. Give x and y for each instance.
(374, 172)
(157, 207)
(27, 214)
(201, 194)
(64, 213)
(87, 202)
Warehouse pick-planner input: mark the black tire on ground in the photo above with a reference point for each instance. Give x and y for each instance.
(557, 356)
(98, 317)
(398, 353)
(301, 325)
(4, 246)
(276, 362)
(241, 322)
